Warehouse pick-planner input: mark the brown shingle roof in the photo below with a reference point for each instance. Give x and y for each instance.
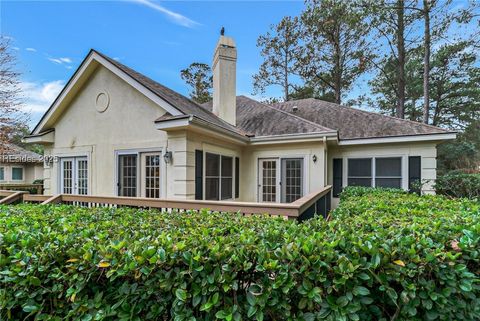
(353, 123)
(264, 120)
(182, 103)
(13, 153)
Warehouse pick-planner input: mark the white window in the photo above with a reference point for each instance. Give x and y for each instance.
(281, 179)
(74, 175)
(375, 172)
(2, 173)
(218, 177)
(17, 173)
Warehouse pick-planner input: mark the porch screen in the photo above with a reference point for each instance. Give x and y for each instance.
(337, 176)
(360, 172)
(218, 177)
(388, 172)
(414, 174)
(198, 174)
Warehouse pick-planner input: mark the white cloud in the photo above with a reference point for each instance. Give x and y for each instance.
(31, 49)
(64, 61)
(174, 16)
(15, 48)
(39, 96)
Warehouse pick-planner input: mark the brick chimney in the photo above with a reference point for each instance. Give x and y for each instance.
(224, 79)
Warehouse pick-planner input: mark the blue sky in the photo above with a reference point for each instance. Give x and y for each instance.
(156, 38)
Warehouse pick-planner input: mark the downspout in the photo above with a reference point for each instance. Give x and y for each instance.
(325, 161)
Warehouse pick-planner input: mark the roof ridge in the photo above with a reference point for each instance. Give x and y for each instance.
(226, 125)
(290, 114)
(335, 105)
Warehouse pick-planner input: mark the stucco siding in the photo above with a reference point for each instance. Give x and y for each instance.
(127, 124)
(313, 171)
(31, 172)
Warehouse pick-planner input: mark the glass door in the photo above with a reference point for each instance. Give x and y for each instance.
(66, 175)
(268, 180)
(127, 175)
(292, 179)
(151, 174)
(74, 175)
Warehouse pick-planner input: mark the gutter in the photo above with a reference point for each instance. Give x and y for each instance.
(292, 137)
(399, 139)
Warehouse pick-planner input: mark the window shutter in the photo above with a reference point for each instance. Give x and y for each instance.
(237, 177)
(337, 176)
(198, 174)
(414, 173)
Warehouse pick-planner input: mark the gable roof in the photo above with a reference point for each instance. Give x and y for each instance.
(353, 123)
(264, 120)
(175, 101)
(182, 103)
(14, 154)
(254, 118)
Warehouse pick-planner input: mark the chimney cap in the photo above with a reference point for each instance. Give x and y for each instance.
(295, 108)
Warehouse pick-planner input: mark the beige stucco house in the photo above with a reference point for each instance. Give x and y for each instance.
(19, 167)
(118, 133)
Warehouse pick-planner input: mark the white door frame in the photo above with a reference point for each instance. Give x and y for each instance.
(74, 161)
(143, 173)
(260, 178)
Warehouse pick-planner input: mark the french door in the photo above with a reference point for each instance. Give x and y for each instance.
(139, 175)
(280, 179)
(74, 175)
(269, 180)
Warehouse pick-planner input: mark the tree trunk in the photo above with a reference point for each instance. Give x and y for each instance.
(285, 84)
(400, 112)
(338, 69)
(426, 61)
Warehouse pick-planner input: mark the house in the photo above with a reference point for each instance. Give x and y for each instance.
(116, 132)
(19, 166)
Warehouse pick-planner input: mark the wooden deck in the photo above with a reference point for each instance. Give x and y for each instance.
(317, 202)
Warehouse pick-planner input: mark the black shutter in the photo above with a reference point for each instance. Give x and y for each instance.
(414, 174)
(198, 174)
(337, 176)
(237, 177)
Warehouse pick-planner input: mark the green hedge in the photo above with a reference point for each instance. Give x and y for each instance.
(385, 255)
(458, 184)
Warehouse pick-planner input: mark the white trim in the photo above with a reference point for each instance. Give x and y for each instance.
(74, 160)
(93, 56)
(204, 172)
(138, 152)
(403, 170)
(305, 173)
(173, 123)
(399, 139)
(42, 138)
(23, 173)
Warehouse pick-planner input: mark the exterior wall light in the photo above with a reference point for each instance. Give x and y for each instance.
(167, 157)
(314, 158)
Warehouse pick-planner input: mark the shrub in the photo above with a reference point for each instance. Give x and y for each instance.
(384, 255)
(458, 184)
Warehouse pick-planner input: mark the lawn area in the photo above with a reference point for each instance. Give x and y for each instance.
(384, 255)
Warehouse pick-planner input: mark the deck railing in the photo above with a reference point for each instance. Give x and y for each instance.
(317, 202)
(38, 188)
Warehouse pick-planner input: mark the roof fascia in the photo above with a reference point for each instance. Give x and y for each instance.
(92, 58)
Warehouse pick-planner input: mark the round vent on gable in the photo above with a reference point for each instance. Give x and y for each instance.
(102, 102)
